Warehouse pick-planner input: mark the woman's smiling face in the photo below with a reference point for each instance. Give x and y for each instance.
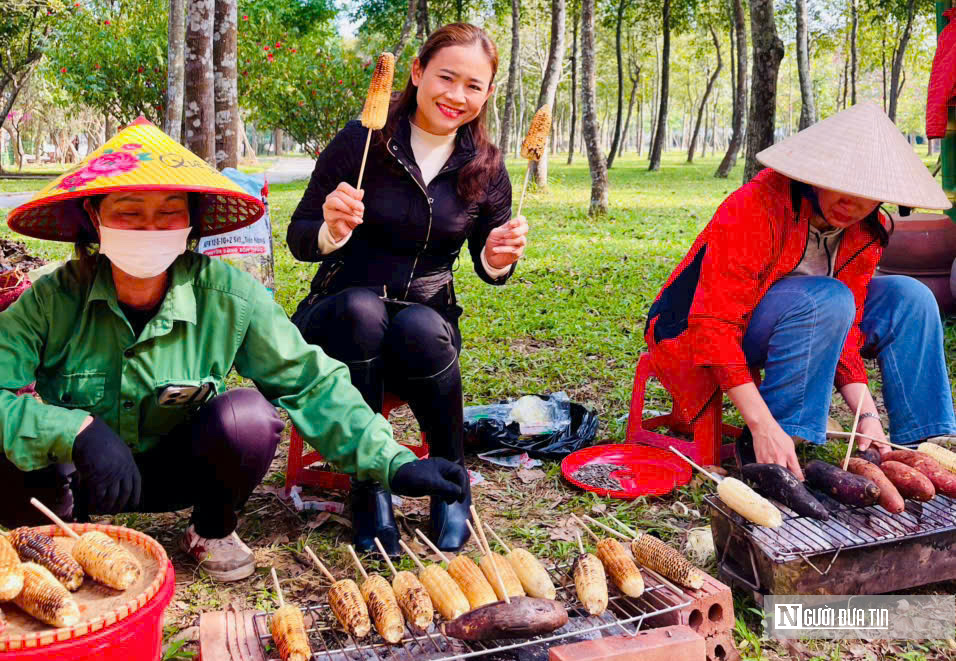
(452, 88)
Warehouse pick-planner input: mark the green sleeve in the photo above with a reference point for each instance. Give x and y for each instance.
(318, 395)
(34, 434)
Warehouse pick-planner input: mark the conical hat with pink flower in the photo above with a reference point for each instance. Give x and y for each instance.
(139, 157)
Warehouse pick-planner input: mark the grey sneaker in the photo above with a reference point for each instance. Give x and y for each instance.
(226, 559)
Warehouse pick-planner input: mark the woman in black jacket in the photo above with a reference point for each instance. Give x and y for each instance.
(383, 299)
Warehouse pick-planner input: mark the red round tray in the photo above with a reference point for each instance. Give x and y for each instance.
(650, 471)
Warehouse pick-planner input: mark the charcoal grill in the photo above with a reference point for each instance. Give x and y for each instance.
(859, 550)
(624, 616)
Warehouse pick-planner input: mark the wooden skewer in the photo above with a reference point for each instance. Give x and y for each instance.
(54, 518)
(358, 563)
(318, 563)
(494, 565)
(707, 473)
(586, 529)
(527, 175)
(368, 141)
(429, 544)
(480, 526)
(847, 433)
(630, 531)
(498, 539)
(388, 561)
(600, 525)
(577, 536)
(856, 419)
(412, 554)
(275, 581)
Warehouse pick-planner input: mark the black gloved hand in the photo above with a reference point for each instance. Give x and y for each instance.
(108, 474)
(431, 477)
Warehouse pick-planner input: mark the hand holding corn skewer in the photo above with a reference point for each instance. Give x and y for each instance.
(618, 563)
(590, 580)
(382, 604)
(742, 499)
(446, 596)
(346, 602)
(410, 593)
(466, 574)
(288, 629)
(532, 574)
(101, 557)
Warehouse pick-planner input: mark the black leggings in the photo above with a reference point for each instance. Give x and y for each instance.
(407, 349)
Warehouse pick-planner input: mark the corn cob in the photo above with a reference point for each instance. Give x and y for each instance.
(945, 458)
(349, 608)
(748, 503)
(472, 582)
(288, 630)
(534, 143)
(106, 561)
(33, 546)
(533, 576)
(445, 593)
(508, 575)
(11, 572)
(655, 554)
(618, 563)
(45, 598)
(384, 608)
(375, 112)
(413, 599)
(591, 583)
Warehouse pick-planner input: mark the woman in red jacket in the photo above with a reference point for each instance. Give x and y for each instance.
(782, 279)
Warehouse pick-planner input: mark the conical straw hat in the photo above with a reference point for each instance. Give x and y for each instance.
(858, 151)
(139, 157)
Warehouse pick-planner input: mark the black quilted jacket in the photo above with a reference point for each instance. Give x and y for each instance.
(412, 233)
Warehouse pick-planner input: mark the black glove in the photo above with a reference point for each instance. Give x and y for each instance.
(431, 477)
(108, 474)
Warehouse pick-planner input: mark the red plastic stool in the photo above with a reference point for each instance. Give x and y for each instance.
(707, 430)
(298, 471)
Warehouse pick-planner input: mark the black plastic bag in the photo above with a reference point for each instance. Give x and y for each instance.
(488, 433)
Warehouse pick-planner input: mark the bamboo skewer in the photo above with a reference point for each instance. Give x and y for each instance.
(358, 563)
(493, 561)
(608, 529)
(715, 478)
(429, 544)
(491, 558)
(577, 536)
(630, 531)
(849, 445)
(275, 582)
(524, 189)
(388, 561)
(858, 435)
(412, 555)
(368, 141)
(318, 563)
(54, 518)
(586, 528)
(498, 539)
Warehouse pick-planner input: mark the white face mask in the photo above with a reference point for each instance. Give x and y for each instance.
(143, 253)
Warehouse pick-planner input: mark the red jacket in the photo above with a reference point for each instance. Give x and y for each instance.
(942, 80)
(696, 326)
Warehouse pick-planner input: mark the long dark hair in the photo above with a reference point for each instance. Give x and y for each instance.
(474, 177)
(872, 221)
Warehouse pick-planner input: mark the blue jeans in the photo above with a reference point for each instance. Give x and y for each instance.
(797, 333)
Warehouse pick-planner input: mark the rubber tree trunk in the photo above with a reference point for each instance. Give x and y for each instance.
(596, 162)
(661, 131)
(854, 23)
(808, 110)
(634, 75)
(199, 91)
(616, 142)
(504, 140)
(225, 57)
(574, 86)
(768, 52)
(703, 101)
(173, 125)
(740, 93)
(406, 33)
(549, 84)
(895, 86)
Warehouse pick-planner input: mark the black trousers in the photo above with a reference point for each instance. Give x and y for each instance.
(410, 350)
(211, 463)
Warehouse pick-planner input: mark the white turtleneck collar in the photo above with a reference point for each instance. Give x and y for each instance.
(431, 151)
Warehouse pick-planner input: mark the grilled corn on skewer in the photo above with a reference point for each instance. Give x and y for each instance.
(106, 561)
(413, 599)
(445, 593)
(472, 581)
(655, 554)
(45, 598)
(532, 574)
(384, 608)
(349, 608)
(537, 138)
(590, 583)
(288, 631)
(748, 503)
(509, 578)
(945, 458)
(618, 563)
(11, 571)
(375, 111)
(33, 546)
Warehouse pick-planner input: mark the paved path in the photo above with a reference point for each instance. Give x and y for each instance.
(10, 200)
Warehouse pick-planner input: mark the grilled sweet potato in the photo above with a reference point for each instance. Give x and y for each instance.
(775, 481)
(846, 487)
(908, 481)
(890, 498)
(943, 481)
(522, 618)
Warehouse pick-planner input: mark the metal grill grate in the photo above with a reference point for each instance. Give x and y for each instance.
(848, 527)
(624, 615)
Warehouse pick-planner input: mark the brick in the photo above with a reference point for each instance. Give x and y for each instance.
(664, 644)
(710, 611)
(720, 647)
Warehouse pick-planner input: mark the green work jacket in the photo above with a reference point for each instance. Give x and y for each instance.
(68, 333)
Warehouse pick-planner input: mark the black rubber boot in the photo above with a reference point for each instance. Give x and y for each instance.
(372, 517)
(437, 404)
(744, 448)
